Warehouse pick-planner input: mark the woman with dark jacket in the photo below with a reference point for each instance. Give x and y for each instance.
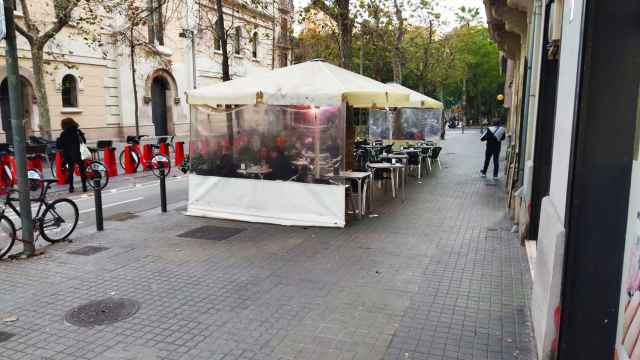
(69, 143)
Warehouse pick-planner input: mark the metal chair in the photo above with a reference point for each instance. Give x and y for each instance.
(434, 155)
(413, 161)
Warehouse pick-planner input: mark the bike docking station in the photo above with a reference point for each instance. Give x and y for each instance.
(161, 167)
(97, 196)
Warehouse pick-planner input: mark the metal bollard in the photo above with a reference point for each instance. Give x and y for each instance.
(97, 194)
(163, 191)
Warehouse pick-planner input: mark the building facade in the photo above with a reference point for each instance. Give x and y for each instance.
(573, 177)
(94, 84)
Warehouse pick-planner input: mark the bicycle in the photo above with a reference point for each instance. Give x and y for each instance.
(6, 168)
(158, 159)
(55, 220)
(94, 168)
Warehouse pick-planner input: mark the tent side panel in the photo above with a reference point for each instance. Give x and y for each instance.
(273, 202)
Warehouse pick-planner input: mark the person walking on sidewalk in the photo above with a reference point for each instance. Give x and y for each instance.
(69, 143)
(493, 136)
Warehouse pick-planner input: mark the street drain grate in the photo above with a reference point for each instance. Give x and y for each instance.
(122, 216)
(102, 312)
(4, 336)
(217, 233)
(88, 250)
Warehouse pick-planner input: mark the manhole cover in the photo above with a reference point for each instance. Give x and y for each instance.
(211, 233)
(88, 250)
(102, 312)
(122, 216)
(4, 336)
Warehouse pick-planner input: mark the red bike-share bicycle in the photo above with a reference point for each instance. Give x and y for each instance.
(157, 160)
(94, 168)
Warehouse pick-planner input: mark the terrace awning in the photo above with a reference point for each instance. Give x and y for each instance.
(310, 83)
(417, 100)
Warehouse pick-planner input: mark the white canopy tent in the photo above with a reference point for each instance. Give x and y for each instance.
(325, 90)
(315, 82)
(416, 99)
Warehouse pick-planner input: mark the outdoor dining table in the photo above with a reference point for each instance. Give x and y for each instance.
(361, 177)
(395, 171)
(403, 157)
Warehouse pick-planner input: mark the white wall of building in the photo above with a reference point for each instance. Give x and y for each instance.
(570, 58)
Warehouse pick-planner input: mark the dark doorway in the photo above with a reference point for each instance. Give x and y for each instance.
(5, 109)
(159, 88)
(600, 179)
(545, 129)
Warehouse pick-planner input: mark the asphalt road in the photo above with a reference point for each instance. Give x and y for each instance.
(119, 200)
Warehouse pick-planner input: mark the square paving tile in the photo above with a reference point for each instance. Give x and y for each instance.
(208, 232)
(122, 216)
(88, 250)
(4, 336)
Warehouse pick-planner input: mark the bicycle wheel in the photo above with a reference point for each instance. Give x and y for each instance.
(135, 158)
(159, 162)
(59, 220)
(95, 169)
(7, 235)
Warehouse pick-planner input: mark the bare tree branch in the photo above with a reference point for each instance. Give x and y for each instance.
(62, 19)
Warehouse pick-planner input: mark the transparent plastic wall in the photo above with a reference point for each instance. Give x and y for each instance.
(417, 124)
(380, 124)
(264, 142)
(434, 124)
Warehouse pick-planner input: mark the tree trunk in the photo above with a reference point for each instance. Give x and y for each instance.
(397, 59)
(424, 66)
(397, 69)
(464, 104)
(132, 51)
(37, 61)
(362, 54)
(345, 26)
(443, 122)
(226, 74)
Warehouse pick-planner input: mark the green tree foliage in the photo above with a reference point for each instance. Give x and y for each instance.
(476, 60)
(438, 63)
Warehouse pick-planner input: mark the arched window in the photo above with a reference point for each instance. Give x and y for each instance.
(254, 45)
(236, 43)
(69, 91)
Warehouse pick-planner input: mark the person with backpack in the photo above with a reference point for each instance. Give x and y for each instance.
(69, 143)
(493, 136)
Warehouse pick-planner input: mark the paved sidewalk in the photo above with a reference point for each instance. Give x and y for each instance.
(437, 277)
